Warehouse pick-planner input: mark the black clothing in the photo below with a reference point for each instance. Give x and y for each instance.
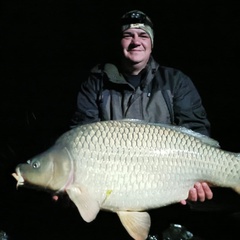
(164, 95)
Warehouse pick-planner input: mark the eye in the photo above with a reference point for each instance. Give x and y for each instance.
(36, 164)
(144, 35)
(127, 35)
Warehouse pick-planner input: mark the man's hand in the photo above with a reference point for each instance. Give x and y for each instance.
(200, 192)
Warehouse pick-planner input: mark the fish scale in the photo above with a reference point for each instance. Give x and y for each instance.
(129, 167)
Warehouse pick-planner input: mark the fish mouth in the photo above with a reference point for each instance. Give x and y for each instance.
(18, 177)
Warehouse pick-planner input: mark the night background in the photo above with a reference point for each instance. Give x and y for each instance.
(48, 47)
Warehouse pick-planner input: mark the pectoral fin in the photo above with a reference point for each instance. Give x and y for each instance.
(87, 206)
(137, 224)
(237, 189)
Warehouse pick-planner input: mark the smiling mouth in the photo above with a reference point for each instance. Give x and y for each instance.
(134, 50)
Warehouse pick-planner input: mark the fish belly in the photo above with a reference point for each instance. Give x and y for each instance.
(132, 166)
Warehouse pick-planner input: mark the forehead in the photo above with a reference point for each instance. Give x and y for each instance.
(134, 30)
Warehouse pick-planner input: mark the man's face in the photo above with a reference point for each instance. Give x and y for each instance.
(136, 45)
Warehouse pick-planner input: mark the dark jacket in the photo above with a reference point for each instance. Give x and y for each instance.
(164, 95)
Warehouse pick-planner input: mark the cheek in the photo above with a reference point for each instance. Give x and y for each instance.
(124, 43)
(124, 47)
(149, 50)
(148, 45)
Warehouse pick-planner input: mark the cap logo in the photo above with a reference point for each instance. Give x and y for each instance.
(136, 25)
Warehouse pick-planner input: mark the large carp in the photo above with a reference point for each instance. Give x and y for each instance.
(128, 167)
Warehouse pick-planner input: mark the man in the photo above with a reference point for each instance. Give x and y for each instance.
(138, 87)
(141, 89)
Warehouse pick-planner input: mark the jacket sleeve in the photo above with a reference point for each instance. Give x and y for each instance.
(87, 109)
(187, 105)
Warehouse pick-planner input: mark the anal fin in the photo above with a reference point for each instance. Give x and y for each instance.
(137, 224)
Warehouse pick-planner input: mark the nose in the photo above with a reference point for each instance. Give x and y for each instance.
(135, 39)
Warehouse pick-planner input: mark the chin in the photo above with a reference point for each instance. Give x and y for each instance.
(136, 60)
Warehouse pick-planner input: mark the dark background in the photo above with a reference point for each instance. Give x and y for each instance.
(49, 46)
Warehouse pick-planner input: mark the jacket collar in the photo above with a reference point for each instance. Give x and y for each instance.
(114, 74)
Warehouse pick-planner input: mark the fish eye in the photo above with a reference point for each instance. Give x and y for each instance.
(36, 164)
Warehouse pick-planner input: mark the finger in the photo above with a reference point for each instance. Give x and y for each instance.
(183, 202)
(207, 190)
(200, 192)
(192, 195)
(55, 197)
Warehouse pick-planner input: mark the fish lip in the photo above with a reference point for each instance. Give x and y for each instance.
(17, 175)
